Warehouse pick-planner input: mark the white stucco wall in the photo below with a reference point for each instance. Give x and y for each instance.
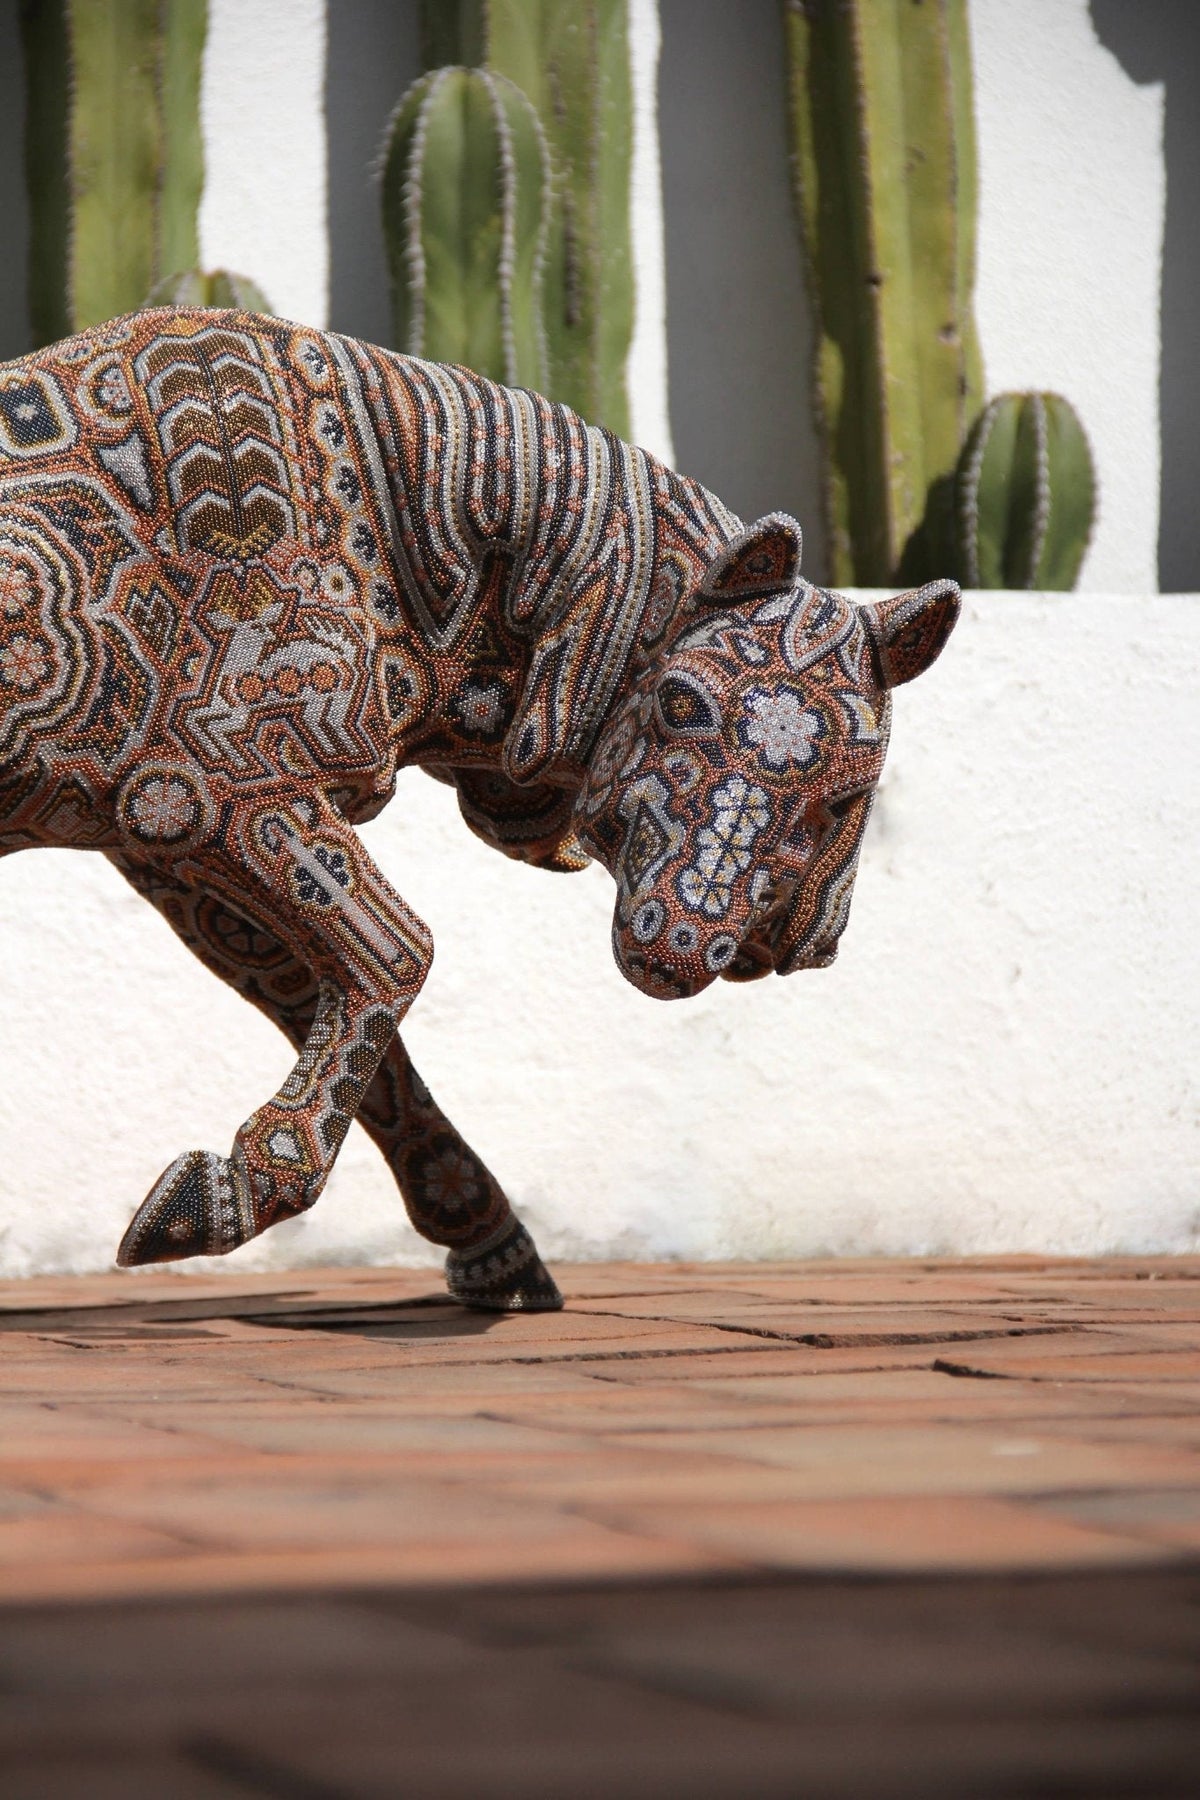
(1072, 196)
(263, 213)
(1003, 1057)
(650, 424)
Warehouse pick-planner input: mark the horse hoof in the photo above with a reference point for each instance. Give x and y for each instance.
(504, 1274)
(200, 1206)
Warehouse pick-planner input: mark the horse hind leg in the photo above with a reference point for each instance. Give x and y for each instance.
(452, 1197)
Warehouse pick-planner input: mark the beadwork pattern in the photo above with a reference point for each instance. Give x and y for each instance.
(248, 570)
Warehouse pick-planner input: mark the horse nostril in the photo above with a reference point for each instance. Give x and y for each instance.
(752, 961)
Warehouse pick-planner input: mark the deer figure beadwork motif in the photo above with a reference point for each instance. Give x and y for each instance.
(249, 570)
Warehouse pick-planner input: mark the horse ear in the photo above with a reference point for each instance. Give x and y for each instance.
(909, 632)
(762, 559)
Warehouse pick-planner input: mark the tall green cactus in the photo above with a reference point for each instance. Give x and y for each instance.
(208, 287)
(466, 198)
(571, 59)
(1024, 496)
(884, 171)
(113, 155)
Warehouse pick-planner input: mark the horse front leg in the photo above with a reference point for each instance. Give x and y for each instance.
(303, 867)
(450, 1195)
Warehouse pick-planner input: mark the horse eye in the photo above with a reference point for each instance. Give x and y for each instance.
(685, 707)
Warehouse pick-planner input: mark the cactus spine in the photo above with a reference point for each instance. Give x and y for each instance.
(213, 287)
(1025, 495)
(571, 59)
(466, 194)
(113, 154)
(884, 172)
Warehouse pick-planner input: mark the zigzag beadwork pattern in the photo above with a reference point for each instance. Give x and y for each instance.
(249, 570)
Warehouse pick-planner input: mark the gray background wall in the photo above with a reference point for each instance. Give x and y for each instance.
(1159, 40)
(739, 340)
(373, 54)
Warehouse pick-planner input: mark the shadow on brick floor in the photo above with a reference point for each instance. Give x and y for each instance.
(886, 1528)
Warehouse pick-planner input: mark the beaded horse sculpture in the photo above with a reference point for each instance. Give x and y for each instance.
(248, 570)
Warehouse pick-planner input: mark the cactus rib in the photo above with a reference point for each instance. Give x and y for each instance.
(465, 194)
(883, 168)
(570, 58)
(215, 287)
(114, 160)
(1025, 495)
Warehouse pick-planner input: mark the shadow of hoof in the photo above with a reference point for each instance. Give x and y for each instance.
(505, 1274)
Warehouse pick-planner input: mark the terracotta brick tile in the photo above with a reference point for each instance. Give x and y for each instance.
(1115, 1317)
(1115, 1364)
(642, 1406)
(484, 1332)
(1139, 1426)
(72, 1431)
(208, 1419)
(1168, 1517)
(577, 1549)
(1069, 1341)
(1147, 1329)
(917, 1393)
(105, 1374)
(738, 1358)
(657, 1298)
(295, 1502)
(558, 1474)
(401, 1379)
(832, 1324)
(548, 1337)
(682, 1479)
(222, 1281)
(900, 1534)
(18, 1503)
(1129, 1398)
(897, 1459)
(329, 1429)
(58, 1537)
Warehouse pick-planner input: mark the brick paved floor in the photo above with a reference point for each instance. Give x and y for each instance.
(823, 1528)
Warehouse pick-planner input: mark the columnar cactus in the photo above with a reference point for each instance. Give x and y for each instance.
(571, 59)
(212, 287)
(884, 171)
(1024, 495)
(113, 154)
(466, 200)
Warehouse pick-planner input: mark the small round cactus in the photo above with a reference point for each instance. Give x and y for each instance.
(1024, 495)
(466, 202)
(215, 287)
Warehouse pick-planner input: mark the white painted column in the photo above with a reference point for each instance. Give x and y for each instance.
(262, 109)
(647, 367)
(1072, 193)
